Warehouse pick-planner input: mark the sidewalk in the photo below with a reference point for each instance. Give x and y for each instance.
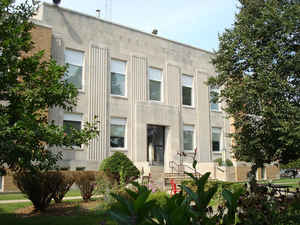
(26, 200)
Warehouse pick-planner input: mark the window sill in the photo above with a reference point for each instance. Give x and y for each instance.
(217, 152)
(118, 149)
(119, 96)
(216, 111)
(81, 91)
(188, 106)
(75, 148)
(155, 102)
(189, 151)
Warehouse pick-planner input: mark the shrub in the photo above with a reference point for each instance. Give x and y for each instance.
(160, 198)
(106, 185)
(221, 185)
(67, 182)
(228, 162)
(86, 182)
(219, 161)
(120, 167)
(186, 207)
(264, 207)
(39, 187)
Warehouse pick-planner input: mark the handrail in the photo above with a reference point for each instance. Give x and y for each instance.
(220, 169)
(173, 166)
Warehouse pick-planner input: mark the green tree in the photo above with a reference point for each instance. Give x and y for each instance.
(29, 86)
(258, 66)
(291, 165)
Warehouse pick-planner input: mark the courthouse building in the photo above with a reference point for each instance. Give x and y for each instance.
(148, 92)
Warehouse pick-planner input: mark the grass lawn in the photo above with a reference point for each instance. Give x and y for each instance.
(20, 196)
(68, 212)
(286, 181)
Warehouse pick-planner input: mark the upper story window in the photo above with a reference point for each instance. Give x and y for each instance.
(155, 84)
(118, 79)
(216, 139)
(187, 90)
(117, 132)
(188, 138)
(75, 61)
(214, 106)
(72, 120)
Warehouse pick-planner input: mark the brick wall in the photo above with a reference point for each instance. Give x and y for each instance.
(9, 185)
(241, 172)
(42, 36)
(273, 172)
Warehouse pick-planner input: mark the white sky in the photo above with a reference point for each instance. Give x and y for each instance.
(194, 22)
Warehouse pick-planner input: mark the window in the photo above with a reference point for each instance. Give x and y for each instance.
(216, 139)
(214, 106)
(155, 77)
(117, 132)
(72, 120)
(187, 90)
(188, 138)
(80, 168)
(118, 69)
(74, 73)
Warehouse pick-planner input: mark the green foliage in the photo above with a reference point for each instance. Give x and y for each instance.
(106, 185)
(134, 210)
(68, 180)
(120, 167)
(227, 162)
(39, 187)
(187, 207)
(219, 161)
(259, 77)
(30, 86)
(160, 198)
(264, 207)
(86, 182)
(291, 165)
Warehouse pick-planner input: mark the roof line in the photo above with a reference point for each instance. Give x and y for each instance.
(129, 28)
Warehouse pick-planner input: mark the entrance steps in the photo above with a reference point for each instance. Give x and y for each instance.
(177, 179)
(156, 180)
(162, 181)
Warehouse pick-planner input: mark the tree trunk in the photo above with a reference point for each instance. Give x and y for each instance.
(252, 183)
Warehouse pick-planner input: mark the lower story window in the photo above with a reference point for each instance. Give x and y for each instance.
(72, 121)
(216, 139)
(117, 132)
(188, 138)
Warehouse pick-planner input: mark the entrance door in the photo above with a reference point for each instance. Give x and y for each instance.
(155, 144)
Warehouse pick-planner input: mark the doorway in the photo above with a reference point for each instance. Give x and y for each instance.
(155, 145)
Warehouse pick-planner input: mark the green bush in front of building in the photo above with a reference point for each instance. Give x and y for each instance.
(120, 167)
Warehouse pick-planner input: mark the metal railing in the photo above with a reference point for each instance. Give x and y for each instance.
(181, 168)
